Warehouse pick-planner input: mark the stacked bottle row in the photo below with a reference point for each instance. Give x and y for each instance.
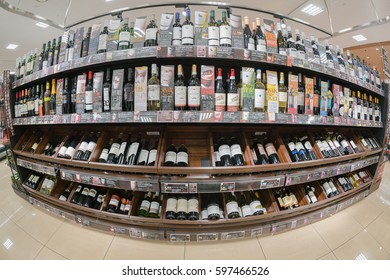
(219, 33)
(291, 93)
(253, 146)
(210, 206)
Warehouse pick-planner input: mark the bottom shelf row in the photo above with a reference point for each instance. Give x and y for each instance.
(193, 207)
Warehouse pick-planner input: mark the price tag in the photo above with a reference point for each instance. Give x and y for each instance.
(207, 237)
(136, 233)
(232, 235)
(175, 187)
(175, 237)
(150, 235)
(270, 183)
(256, 232)
(228, 187)
(288, 181)
(119, 230)
(308, 177)
(77, 178)
(294, 224)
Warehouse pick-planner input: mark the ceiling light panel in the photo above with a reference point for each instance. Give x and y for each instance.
(312, 10)
(41, 24)
(359, 38)
(12, 46)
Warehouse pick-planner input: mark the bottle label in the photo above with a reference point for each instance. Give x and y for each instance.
(62, 198)
(316, 100)
(122, 148)
(78, 189)
(259, 98)
(261, 45)
(34, 146)
(325, 145)
(255, 206)
(292, 51)
(100, 198)
(145, 205)
(88, 99)
(124, 38)
(171, 205)
(133, 149)
(70, 151)
(85, 191)
(308, 146)
(187, 37)
(151, 34)
(193, 205)
(104, 155)
(261, 149)
(224, 150)
(353, 144)
(92, 193)
(344, 143)
(152, 156)
(225, 34)
(302, 54)
(233, 102)
(114, 202)
(182, 157)
(327, 188)
(106, 99)
(143, 156)
(154, 206)
(170, 157)
(176, 36)
(180, 96)
(246, 211)
(182, 205)
(336, 143)
(91, 146)
(153, 92)
(282, 96)
(212, 209)
(282, 51)
(83, 146)
(213, 32)
(220, 101)
(359, 109)
(270, 149)
(63, 150)
(333, 187)
(232, 207)
(217, 156)
(370, 111)
(115, 149)
(128, 206)
(356, 177)
(102, 43)
(251, 44)
(235, 150)
(292, 147)
(194, 96)
(301, 98)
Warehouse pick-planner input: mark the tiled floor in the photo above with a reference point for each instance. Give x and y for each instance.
(362, 231)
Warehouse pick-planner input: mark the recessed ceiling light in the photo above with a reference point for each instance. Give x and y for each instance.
(312, 10)
(377, 49)
(7, 244)
(12, 46)
(41, 24)
(359, 38)
(368, 57)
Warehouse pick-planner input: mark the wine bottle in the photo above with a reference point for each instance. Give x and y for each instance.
(154, 90)
(89, 93)
(330, 101)
(102, 46)
(73, 96)
(90, 147)
(177, 31)
(123, 202)
(182, 156)
(187, 37)
(128, 91)
(30, 102)
(92, 194)
(282, 45)
(65, 97)
(213, 30)
(85, 43)
(107, 91)
(259, 93)
(224, 152)
(113, 204)
(260, 152)
(308, 147)
(180, 90)
(301, 150)
(134, 151)
(65, 195)
(282, 95)
(193, 208)
(145, 205)
(46, 100)
(220, 93)
(170, 156)
(301, 95)
(171, 210)
(182, 208)
(70, 151)
(154, 206)
(99, 201)
(193, 98)
(245, 209)
(335, 191)
(291, 47)
(260, 39)
(310, 195)
(217, 156)
(213, 206)
(272, 154)
(232, 208)
(35, 145)
(316, 97)
(83, 196)
(301, 51)
(62, 151)
(124, 36)
(370, 111)
(315, 50)
(114, 150)
(344, 144)
(293, 151)
(152, 155)
(233, 98)
(225, 32)
(327, 189)
(144, 154)
(247, 34)
(83, 147)
(76, 194)
(236, 152)
(151, 32)
(255, 204)
(129, 205)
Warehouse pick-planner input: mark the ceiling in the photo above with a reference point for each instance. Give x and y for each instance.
(342, 14)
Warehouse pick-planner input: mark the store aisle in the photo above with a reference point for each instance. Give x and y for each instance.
(362, 231)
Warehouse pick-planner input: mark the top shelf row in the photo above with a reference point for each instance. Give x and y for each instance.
(203, 52)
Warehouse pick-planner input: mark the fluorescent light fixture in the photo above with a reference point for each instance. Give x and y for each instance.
(361, 257)
(12, 46)
(12, 72)
(312, 10)
(109, 0)
(41, 24)
(359, 38)
(7, 244)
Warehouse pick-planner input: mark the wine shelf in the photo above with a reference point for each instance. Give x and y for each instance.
(203, 52)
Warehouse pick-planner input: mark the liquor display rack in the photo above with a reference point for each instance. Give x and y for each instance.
(200, 130)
